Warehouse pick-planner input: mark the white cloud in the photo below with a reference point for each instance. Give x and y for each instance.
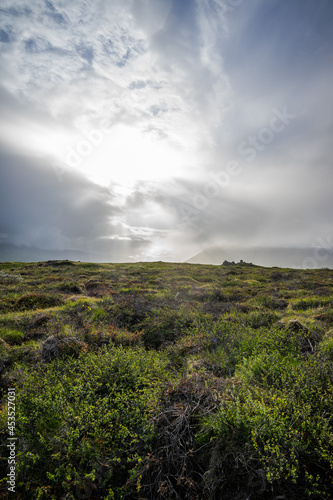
(80, 62)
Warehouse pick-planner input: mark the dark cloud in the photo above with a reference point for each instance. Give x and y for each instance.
(86, 52)
(20, 11)
(55, 15)
(4, 36)
(121, 48)
(278, 45)
(37, 209)
(156, 110)
(34, 45)
(140, 84)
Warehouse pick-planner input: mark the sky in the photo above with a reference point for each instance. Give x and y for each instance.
(145, 130)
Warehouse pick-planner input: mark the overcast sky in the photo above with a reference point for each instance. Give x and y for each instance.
(154, 129)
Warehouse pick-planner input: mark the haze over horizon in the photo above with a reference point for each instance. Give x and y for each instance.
(144, 130)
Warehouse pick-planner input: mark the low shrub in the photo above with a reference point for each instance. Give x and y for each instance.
(326, 316)
(86, 426)
(176, 468)
(70, 287)
(25, 353)
(99, 315)
(272, 303)
(37, 301)
(222, 296)
(65, 262)
(11, 336)
(217, 361)
(10, 278)
(275, 424)
(257, 319)
(165, 325)
(325, 347)
(129, 311)
(304, 304)
(54, 347)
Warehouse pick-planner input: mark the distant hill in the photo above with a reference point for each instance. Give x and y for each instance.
(299, 258)
(12, 253)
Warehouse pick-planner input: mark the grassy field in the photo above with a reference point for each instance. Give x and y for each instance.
(167, 381)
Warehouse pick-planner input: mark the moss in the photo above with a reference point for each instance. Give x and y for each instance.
(11, 336)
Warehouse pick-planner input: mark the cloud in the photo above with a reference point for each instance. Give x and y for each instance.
(151, 15)
(113, 61)
(59, 18)
(37, 210)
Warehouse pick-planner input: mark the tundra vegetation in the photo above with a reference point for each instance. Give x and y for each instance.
(167, 381)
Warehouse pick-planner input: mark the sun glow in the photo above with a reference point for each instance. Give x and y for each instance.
(125, 155)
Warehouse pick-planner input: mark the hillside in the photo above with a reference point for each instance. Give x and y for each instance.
(12, 253)
(166, 381)
(297, 258)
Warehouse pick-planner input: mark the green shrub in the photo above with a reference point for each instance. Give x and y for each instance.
(77, 314)
(325, 347)
(268, 368)
(222, 296)
(66, 346)
(129, 311)
(165, 325)
(326, 316)
(218, 361)
(24, 353)
(271, 302)
(10, 278)
(87, 424)
(90, 265)
(11, 336)
(65, 262)
(99, 315)
(70, 287)
(277, 420)
(304, 304)
(37, 301)
(257, 319)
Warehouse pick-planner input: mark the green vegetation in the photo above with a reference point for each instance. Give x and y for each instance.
(171, 381)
